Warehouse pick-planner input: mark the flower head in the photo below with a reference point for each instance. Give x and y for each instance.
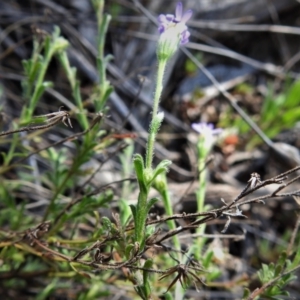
(173, 32)
(168, 21)
(206, 129)
(207, 137)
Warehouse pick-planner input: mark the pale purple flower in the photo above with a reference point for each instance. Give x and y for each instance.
(207, 137)
(167, 21)
(206, 129)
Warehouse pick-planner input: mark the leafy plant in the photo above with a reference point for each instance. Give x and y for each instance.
(278, 112)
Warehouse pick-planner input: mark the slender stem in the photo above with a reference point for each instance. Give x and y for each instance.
(152, 133)
(159, 86)
(102, 22)
(32, 128)
(71, 75)
(36, 94)
(171, 223)
(200, 205)
(141, 215)
(201, 190)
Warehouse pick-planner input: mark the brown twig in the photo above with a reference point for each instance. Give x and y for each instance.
(72, 137)
(56, 117)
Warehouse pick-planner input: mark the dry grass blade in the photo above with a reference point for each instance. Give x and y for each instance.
(55, 118)
(184, 275)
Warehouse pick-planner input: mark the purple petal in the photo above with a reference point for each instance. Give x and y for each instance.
(170, 17)
(184, 40)
(206, 128)
(197, 127)
(162, 18)
(186, 34)
(161, 29)
(185, 37)
(178, 13)
(217, 130)
(186, 16)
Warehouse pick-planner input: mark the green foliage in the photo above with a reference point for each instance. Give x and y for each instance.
(278, 112)
(35, 70)
(144, 289)
(275, 277)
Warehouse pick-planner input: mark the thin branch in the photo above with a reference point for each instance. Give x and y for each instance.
(56, 117)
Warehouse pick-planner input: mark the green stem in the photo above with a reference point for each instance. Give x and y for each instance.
(202, 187)
(159, 86)
(141, 216)
(74, 83)
(103, 22)
(200, 204)
(171, 223)
(152, 133)
(35, 97)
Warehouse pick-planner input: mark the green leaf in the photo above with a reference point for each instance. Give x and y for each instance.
(271, 267)
(246, 294)
(147, 290)
(285, 293)
(133, 210)
(150, 203)
(207, 259)
(107, 225)
(278, 270)
(108, 92)
(147, 265)
(41, 90)
(128, 250)
(290, 117)
(293, 96)
(282, 258)
(168, 296)
(213, 275)
(139, 167)
(296, 259)
(108, 58)
(27, 66)
(82, 273)
(47, 46)
(162, 167)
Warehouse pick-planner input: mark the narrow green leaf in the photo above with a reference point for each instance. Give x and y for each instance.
(282, 258)
(246, 293)
(278, 270)
(139, 167)
(107, 225)
(207, 259)
(150, 203)
(147, 265)
(168, 296)
(293, 95)
(128, 250)
(133, 210)
(162, 167)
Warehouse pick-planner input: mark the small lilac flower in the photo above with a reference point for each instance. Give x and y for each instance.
(206, 129)
(207, 137)
(167, 21)
(173, 32)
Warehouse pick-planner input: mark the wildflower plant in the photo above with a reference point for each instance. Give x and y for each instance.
(173, 32)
